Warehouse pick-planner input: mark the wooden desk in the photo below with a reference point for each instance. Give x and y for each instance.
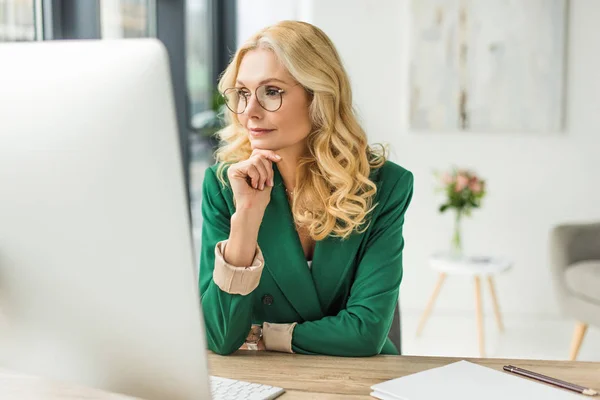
(329, 378)
(306, 377)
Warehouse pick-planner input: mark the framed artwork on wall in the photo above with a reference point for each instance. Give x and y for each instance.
(487, 66)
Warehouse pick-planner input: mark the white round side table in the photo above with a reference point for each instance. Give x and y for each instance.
(476, 266)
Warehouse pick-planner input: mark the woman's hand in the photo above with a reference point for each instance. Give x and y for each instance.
(252, 179)
(260, 345)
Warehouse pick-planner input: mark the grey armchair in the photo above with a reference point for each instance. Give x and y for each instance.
(575, 263)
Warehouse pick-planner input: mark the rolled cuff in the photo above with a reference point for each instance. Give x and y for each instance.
(278, 337)
(237, 280)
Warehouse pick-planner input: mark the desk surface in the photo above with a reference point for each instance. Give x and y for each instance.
(307, 377)
(328, 378)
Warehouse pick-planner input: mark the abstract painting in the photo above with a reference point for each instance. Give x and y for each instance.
(487, 65)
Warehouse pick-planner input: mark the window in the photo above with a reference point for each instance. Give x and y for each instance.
(17, 21)
(199, 56)
(127, 18)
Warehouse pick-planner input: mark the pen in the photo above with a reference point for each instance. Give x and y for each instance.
(552, 381)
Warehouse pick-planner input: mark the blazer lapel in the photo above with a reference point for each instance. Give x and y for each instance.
(332, 262)
(284, 257)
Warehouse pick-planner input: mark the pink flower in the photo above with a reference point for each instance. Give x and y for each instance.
(447, 178)
(461, 183)
(475, 187)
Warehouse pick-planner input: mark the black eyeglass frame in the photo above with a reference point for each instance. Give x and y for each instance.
(280, 91)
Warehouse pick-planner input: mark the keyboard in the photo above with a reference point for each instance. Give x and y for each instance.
(231, 389)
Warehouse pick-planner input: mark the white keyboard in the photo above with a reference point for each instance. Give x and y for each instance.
(230, 389)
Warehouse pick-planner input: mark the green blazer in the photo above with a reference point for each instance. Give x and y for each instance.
(344, 305)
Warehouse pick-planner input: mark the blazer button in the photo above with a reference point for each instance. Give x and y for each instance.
(267, 299)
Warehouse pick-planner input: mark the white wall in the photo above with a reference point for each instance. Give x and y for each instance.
(534, 181)
(254, 15)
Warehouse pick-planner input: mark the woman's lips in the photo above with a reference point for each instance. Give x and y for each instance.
(257, 132)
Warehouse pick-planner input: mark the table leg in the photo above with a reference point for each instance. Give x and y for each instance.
(578, 335)
(495, 303)
(429, 306)
(479, 310)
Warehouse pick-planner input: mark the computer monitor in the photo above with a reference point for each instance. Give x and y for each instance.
(98, 283)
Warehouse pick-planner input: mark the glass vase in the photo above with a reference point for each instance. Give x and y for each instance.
(456, 243)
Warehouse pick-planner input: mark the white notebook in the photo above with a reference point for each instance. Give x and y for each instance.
(467, 381)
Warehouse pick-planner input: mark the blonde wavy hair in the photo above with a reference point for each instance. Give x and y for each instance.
(333, 194)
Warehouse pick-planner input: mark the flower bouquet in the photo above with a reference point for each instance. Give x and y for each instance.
(464, 191)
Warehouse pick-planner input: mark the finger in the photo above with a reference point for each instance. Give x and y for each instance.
(269, 168)
(240, 171)
(268, 158)
(269, 154)
(254, 175)
(264, 175)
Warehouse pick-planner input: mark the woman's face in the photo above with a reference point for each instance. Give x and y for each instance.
(290, 124)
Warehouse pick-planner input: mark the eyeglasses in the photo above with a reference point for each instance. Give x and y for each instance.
(270, 98)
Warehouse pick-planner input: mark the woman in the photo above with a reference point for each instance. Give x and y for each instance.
(302, 234)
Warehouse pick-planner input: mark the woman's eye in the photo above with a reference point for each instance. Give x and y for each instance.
(272, 92)
(244, 93)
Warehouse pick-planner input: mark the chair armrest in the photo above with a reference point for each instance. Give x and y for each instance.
(570, 243)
